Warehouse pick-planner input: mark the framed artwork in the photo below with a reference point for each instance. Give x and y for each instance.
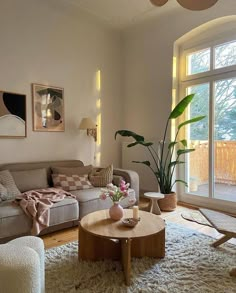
(12, 115)
(48, 108)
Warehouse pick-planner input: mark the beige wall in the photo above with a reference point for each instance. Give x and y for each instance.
(49, 43)
(148, 51)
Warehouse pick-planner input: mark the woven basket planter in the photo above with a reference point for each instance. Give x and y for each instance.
(168, 203)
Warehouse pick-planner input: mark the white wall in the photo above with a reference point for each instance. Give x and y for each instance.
(49, 43)
(148, 51)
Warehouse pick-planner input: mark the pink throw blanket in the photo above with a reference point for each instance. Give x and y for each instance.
(36, 204)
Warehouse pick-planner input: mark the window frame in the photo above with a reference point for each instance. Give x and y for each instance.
(184, 52)
(185, 81)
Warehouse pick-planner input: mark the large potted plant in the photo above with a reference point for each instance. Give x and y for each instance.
(167, 156)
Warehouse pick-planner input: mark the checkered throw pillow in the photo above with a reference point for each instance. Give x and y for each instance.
(73, 182)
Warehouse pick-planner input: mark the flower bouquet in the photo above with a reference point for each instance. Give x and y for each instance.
(115, 193)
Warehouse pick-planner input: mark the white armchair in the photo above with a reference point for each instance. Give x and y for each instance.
(22, 266)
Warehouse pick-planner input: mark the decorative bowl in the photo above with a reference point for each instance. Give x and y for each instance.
(130, 222)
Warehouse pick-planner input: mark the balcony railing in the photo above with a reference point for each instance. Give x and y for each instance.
(224, 160)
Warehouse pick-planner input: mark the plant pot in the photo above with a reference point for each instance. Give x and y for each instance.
(168, 203)
(116, 211)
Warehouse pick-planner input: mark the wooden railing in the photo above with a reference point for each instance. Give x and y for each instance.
(225, 162)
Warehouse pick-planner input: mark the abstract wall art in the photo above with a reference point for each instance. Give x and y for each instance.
(48, 108)
(12, 115)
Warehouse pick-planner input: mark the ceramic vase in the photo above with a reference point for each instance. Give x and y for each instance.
(116, 211)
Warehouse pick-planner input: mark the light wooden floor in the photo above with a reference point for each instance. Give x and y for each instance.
(71, 234)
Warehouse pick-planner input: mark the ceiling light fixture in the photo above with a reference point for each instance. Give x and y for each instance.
(188, 4)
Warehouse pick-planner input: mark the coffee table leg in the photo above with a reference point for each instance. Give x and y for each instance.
(155, 207)
(126, 259)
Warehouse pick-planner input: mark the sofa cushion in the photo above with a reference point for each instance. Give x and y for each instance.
(8, 183)
(87, 194)
(14, 221)
(73, 182)
(101, 177)
(30, 179)
(3, 193)
(84, 170)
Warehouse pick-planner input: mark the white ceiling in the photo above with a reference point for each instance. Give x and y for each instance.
(122, 13)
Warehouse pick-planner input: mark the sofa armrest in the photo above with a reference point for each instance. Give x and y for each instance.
(131, 177)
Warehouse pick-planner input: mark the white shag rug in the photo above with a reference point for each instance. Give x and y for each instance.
(191, 265)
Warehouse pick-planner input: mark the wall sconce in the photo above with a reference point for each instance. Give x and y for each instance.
(87, 123)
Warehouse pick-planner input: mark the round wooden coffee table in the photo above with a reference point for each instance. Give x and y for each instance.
(102, 238)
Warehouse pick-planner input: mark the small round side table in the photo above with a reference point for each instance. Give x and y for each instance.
(154, 196)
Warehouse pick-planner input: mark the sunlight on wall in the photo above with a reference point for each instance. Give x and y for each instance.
(98, 159)
(174, 93)
(173, 122)
(174, 69)
(98, 119)
(98, 104)
(98, 122)
(98, 80)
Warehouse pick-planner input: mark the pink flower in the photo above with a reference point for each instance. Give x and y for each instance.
(103, 196)
(111, 192)
(122, 187)
(125, 194)
(114, 192)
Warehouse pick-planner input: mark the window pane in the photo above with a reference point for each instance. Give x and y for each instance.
(225, 139)
(225, 109)
(199, 106)
(198, 62)
(225, 55)
(198, 165)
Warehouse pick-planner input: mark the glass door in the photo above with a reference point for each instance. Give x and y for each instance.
(225, 139)
(198, 138)
(211, 168)
(209, 71)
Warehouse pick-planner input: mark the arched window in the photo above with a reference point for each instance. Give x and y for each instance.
(207, 68)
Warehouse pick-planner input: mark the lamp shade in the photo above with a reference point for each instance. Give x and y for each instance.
(87, 123)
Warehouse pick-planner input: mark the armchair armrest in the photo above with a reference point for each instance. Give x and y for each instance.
(131, 177)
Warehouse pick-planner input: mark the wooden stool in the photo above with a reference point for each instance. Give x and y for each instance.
(154, 197)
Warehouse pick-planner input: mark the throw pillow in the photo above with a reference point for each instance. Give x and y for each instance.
(30, 179)
(8, 182)
(73, 182)
(3, 192)
(101, 177)
(72, 170)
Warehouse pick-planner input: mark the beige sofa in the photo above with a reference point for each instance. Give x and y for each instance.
(66, 213)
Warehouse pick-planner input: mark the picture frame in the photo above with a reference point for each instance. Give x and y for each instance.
(48, 108)
(12, 115)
